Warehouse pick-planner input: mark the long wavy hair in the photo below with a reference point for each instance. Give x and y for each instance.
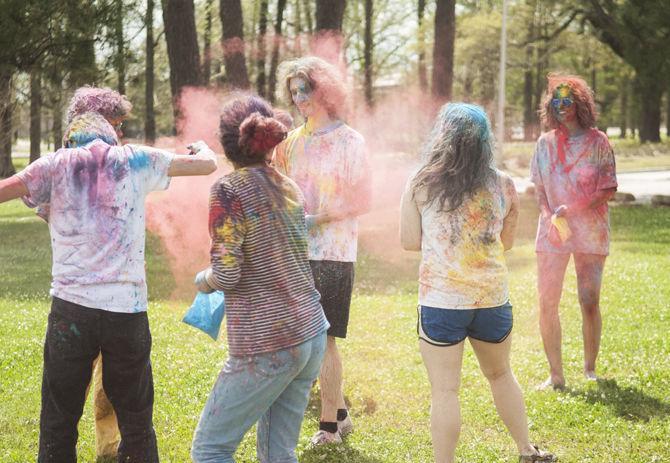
(458, 156)
(326, 81)
(582, 96)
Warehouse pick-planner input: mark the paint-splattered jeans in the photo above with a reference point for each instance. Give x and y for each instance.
(271, 389)
(75, 335)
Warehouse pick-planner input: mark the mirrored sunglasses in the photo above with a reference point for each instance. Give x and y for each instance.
(558, 102)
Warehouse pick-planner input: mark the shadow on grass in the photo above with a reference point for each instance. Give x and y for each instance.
(340, 453)
(626, 402)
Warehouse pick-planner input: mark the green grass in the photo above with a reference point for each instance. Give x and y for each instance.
(625, 418)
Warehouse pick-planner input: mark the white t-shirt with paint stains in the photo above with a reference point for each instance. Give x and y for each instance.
(462, 260)
(97, 220)
(327, 166)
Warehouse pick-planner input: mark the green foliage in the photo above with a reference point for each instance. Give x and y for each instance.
(623, 418)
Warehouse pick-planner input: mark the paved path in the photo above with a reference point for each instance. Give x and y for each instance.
(641, 184)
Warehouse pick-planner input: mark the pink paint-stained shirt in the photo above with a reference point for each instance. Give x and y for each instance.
(329, 166)
(96, 194)
(589, 166)
(462, 255)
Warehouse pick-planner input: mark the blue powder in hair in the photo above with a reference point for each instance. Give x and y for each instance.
(464, 116)
(78, 139)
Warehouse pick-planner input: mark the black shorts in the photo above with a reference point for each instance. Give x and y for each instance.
(335, 282)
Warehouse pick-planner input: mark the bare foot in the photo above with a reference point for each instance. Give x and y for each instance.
(591, 375)
(550, 383)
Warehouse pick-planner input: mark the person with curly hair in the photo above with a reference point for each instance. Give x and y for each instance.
(574, 173)
(461, 213)
(97, 189)
(327, 159)
(276, 328)
(115, 109)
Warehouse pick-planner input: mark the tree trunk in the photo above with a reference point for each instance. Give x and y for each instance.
(367, 53)
(149, 114)
(6, 165)
(309, 18)
(35, 114)
(274, 62)
(57, 110)
(528, 107)
(328, 33)
(182, 48)
(667, 110)
(329, 15)
(261, 51)
(207, 39)
(650, 91)
(623, 120)
(443, 49)
(120, 47)
(232, 24)
(81, 28)
(423, 73)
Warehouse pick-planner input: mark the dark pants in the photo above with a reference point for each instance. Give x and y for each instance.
(75, 336)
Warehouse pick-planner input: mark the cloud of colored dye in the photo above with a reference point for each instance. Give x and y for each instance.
(394, 129)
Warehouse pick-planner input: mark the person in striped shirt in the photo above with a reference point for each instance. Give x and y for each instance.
(276, 328)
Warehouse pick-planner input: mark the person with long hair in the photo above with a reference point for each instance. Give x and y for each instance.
(461, 213)
(276, 328)
(327, 159)
(574, 173)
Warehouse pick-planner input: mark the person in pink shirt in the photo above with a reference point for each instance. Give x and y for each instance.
(574, 173)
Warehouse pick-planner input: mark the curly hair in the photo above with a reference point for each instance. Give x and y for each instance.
(248, 129)
(582, 96)
(109, 103)
(325, 80)
(458, 156)
(86, 127)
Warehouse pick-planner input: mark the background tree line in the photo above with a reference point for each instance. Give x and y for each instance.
(446, 48)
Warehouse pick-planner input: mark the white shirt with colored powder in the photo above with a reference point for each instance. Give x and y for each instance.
(329, 166)
(97, 220)
(462, 260)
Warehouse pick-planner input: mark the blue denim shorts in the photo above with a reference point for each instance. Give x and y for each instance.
(446, 327)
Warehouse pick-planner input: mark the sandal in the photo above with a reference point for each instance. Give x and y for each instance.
(541, 455)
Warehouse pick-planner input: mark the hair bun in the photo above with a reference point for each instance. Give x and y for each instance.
(259, 134)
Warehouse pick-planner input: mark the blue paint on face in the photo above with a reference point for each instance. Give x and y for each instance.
(138, 160)
(301, 90)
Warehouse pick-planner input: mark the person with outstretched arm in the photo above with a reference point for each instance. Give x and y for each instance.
(96, 190)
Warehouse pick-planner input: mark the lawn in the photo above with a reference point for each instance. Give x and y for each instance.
(624, 418)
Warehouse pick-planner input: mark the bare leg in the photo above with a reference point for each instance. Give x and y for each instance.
(507, 396)
(330, 380)
(589, 269)
(444, 373)
(550, 274)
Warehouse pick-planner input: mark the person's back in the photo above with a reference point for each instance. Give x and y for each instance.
(96, 191)
(461, 213)
(97, 194)
(462, 264)
(275, 324)
(273, 287)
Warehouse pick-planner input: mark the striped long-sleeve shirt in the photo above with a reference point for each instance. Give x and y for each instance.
(259, 259)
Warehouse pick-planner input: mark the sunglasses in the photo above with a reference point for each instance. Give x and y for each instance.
(558, 102)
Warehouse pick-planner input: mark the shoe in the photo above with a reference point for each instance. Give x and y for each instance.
(345, 427)
(324, 437)
(541, 456)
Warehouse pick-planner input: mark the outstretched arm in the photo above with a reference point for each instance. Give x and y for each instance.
(201, 162)
(12, 188)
